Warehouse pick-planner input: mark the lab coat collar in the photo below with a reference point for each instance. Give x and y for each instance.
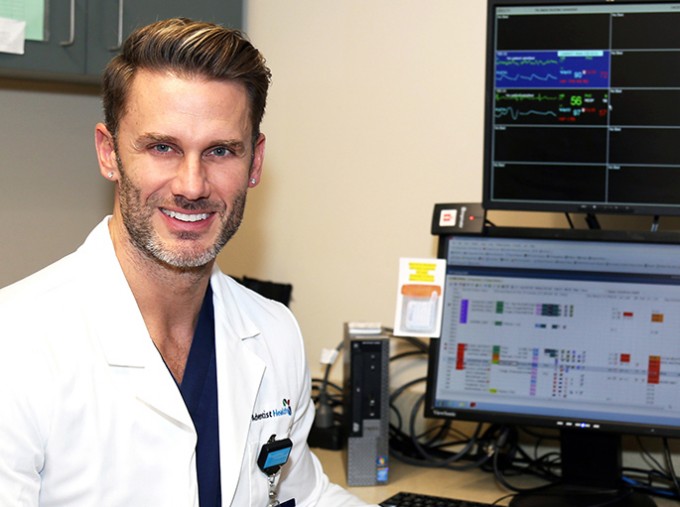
(234, 317)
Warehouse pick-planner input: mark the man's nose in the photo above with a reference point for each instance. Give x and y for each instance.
(191, 179)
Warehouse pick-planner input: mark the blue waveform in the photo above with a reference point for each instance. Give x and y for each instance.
(502, 75)
(561, 69)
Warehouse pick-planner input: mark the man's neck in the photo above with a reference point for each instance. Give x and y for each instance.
(168, 298)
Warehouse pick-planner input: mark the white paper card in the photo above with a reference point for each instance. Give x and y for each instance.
(12, 36)
(420, 297)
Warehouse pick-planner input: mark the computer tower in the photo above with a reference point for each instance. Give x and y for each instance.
(366, 410)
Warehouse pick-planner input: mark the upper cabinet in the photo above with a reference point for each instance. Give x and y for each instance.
(83, 35)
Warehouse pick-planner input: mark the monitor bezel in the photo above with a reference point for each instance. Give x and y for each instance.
(591, 208)
(532, 419)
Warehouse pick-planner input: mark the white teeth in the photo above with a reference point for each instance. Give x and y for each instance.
(186, 217)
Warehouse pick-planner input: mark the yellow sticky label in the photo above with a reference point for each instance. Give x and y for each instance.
(422, 272)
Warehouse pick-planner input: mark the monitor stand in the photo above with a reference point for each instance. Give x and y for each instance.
(591, 475)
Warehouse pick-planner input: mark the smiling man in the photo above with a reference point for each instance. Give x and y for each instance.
(133, 372)
(184, 159)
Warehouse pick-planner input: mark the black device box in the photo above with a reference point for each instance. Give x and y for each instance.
(366, 395)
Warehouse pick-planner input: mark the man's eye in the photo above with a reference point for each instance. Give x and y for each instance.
(162, 148)
(220, 151)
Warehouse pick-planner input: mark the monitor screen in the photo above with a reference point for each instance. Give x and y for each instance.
(583, 106)
(574, 330)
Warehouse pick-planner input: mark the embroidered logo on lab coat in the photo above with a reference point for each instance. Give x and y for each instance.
(285, 410)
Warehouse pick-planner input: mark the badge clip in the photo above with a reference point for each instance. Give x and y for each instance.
(273, 455)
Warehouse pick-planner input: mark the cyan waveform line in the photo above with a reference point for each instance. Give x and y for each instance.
(502, 112)
(531, 77)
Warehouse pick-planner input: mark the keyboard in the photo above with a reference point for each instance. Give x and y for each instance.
(404, 499)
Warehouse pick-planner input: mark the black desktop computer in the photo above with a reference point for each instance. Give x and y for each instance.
(366, 395)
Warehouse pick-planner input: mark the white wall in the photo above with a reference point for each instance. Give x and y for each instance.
(375, 114)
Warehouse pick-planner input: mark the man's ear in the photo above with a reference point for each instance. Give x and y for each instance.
(258, 160)
(106, 152)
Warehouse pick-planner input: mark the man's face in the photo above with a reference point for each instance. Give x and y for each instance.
(184, 161)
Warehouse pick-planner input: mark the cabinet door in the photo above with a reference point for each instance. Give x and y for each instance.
(62, 53)
(113, 20)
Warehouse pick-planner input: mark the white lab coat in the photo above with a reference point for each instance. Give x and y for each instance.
(92, 417)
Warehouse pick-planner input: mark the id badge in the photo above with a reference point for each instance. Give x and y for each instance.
(273, 455)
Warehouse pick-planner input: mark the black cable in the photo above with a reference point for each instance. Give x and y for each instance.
(533, 467)
(658, 480)
(401, 443)
(669, 466)
(448, 462)
(397, 392)
(520, 461)
(333, 393)
(500, 442)
(325, 416)
(399, 419)
(406, 354)
(540, 466)
(650, 482)
(328, 384)
(648, 458)
(592, 221)
(419, 344)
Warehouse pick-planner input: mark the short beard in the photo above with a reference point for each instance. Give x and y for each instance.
(137, 221)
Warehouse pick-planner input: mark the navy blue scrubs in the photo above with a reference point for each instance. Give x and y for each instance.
(199, 390)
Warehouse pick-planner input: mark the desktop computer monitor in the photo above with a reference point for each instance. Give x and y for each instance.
(583, 106)
(566, 329)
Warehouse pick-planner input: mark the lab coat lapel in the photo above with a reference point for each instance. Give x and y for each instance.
(239, 374)
(127, 346)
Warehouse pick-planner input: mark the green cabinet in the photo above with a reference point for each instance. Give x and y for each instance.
(83, 35)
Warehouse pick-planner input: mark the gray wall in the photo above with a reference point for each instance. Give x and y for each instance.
(51, 193)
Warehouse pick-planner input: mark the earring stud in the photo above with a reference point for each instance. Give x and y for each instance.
(110, 174)
(253, 181)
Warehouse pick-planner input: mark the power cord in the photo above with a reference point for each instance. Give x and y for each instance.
(327, 430)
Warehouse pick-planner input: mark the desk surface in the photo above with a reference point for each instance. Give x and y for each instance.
(470, 485)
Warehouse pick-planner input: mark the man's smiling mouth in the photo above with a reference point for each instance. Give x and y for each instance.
(186, 217)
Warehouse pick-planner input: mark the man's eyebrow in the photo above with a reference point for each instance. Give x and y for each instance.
(237, 147)
(152, 137)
